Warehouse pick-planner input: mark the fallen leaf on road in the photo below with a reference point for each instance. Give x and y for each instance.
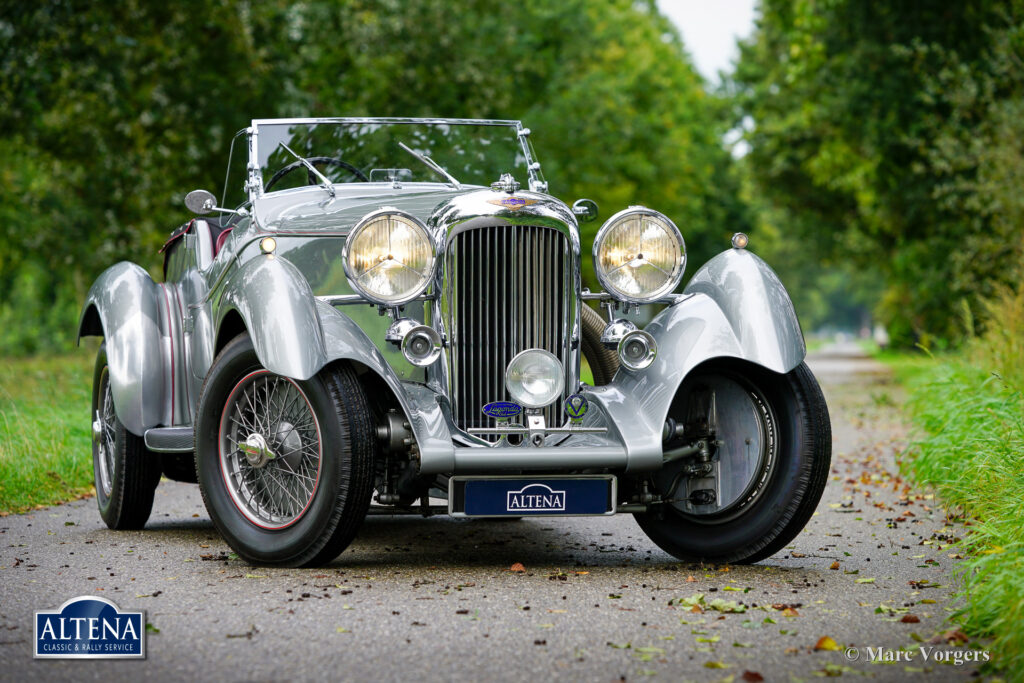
(834, 565)
(871, 580)
(955, 636)
(726, 606)
(910, 619)
(752, 677)
(790, 612)
(517, 567)
(826, 643)
(715, 665)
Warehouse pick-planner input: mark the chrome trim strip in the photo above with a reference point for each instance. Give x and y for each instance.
(347, 299)
(469, 459)
(519, 429)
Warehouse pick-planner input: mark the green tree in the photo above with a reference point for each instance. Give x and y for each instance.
(868, 125)
(110, 113)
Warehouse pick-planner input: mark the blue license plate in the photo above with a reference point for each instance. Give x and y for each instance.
(532, 496)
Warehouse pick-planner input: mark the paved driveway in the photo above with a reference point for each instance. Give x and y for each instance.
(435, 599)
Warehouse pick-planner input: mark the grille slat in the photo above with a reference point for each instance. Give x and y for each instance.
(507, 287)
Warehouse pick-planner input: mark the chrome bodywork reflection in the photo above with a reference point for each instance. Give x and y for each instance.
(508, 279)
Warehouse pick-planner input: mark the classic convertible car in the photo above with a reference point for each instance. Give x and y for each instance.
(388, 320)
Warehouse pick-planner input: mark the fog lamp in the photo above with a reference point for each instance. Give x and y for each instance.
(637, 350)
(534, 378)
(421, 345)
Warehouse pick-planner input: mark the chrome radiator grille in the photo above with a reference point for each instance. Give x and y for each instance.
(508, 289)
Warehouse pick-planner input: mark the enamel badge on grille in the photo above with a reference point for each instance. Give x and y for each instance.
(576, 407)
(502, 410)
(512, 203)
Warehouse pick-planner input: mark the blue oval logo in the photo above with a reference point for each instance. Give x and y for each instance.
(502, 410)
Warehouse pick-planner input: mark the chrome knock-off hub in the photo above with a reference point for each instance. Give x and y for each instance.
(257, 451)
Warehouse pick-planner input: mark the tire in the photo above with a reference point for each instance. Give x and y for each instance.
(604, 363)
(124, 471)
(298, 498)
(794, 456)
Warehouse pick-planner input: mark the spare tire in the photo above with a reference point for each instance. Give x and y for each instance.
(604, 363)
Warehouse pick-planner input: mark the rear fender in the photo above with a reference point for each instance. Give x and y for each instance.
(123, 307)
(735, 306)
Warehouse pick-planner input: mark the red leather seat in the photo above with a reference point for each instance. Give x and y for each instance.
(221, 239)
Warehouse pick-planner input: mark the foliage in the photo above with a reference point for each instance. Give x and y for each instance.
(44, 442)
(110, 112)
(971, 410)
(885, 136)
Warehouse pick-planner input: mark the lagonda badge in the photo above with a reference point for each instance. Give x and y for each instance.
(502, 410)
(512, 203)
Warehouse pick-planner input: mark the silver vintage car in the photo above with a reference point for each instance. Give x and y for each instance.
(392, 321)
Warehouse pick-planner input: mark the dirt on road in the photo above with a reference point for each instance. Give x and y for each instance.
(576, 599)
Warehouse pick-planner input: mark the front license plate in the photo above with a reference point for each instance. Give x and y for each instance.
(518, 496)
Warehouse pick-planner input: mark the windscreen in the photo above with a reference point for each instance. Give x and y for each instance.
(475, 154)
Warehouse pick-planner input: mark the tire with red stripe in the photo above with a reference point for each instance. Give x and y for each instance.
(285, 466)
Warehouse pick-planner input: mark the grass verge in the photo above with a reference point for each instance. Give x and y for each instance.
(970, 411)
(45, 444)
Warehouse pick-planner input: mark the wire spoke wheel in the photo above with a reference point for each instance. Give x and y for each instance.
(104, 424)
(271, 449)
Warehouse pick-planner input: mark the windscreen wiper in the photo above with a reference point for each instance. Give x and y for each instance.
(433, 165)
(324, 182)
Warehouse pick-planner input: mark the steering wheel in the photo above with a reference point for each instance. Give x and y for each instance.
(313, 180)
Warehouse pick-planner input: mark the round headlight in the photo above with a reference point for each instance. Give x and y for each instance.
(534, 378)
(389, 257)
(639, 255)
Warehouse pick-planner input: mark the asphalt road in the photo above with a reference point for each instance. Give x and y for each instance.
(436, 599)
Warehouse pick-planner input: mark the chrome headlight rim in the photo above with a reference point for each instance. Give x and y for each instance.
(675, 278)
(361, 225)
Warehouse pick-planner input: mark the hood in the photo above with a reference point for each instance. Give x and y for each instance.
(309, 209)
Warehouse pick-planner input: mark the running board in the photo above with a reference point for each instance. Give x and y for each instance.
(170, 439)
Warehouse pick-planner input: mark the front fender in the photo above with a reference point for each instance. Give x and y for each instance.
(736, 307)
(296, 335)
(280, 314)
(345, 340)
(123, 307)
